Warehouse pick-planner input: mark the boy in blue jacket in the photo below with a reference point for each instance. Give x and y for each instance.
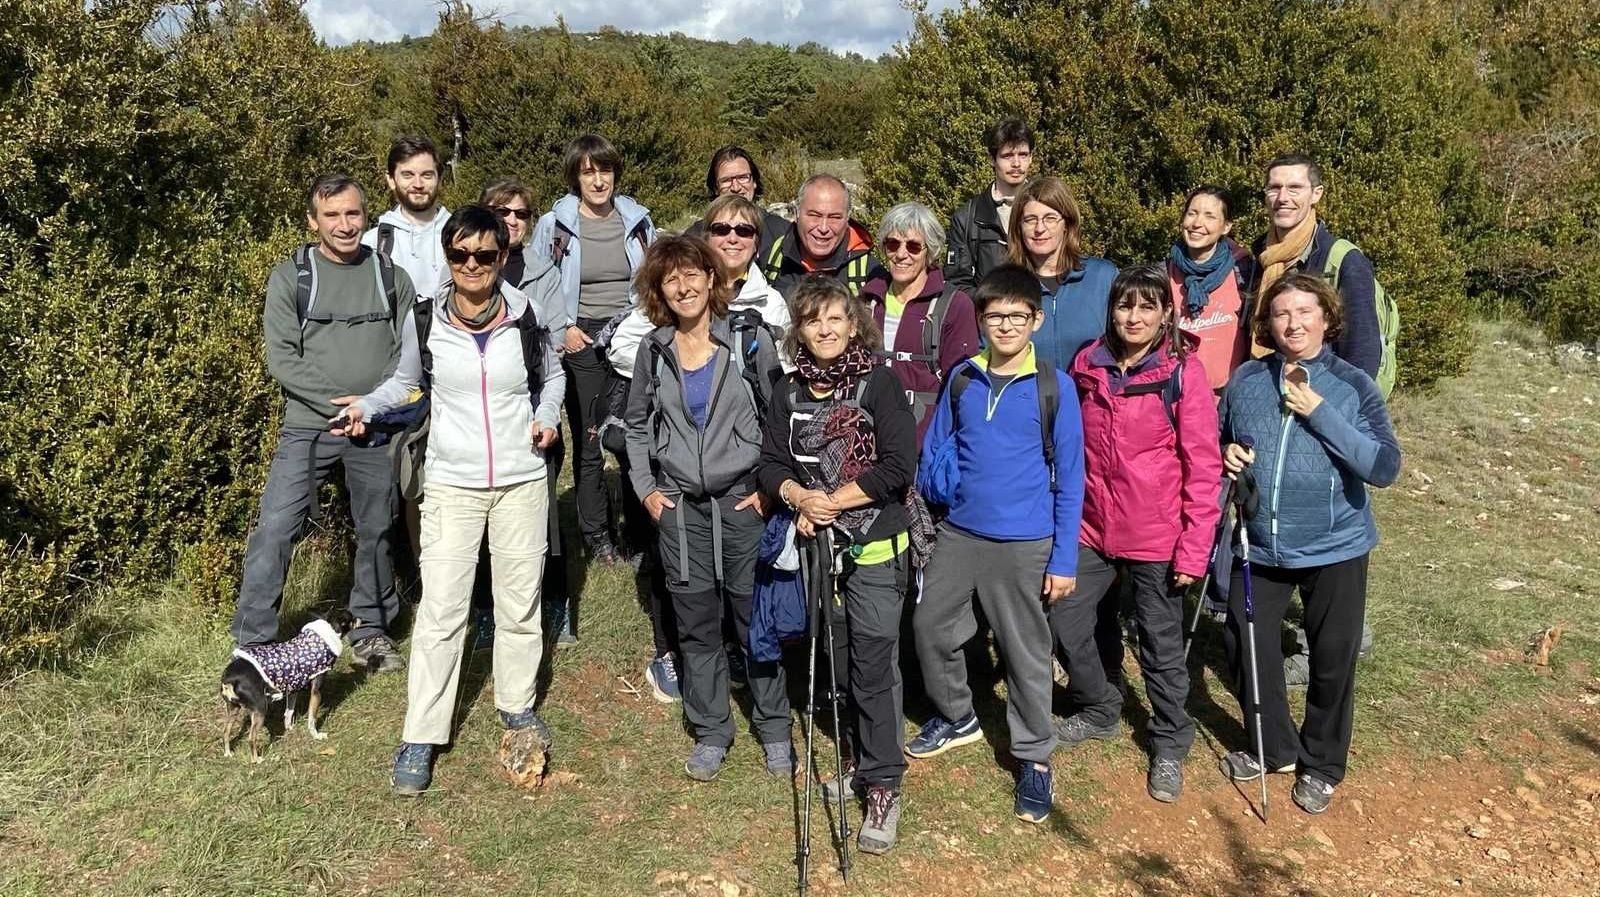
(1010, 536)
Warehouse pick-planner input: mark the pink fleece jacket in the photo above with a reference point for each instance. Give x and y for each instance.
(1150, 490)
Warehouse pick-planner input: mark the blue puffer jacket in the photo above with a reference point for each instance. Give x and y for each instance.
(1313, 472)
(1075, 314)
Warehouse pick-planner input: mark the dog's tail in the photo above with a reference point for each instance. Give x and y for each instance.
(229, 696)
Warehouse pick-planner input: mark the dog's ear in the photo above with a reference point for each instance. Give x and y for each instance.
(342, 621)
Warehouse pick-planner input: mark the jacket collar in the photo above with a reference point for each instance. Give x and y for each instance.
(855, 233)
(633, 214)
(517, 302)
(876, 289)
(1030, 362)
(399, 220)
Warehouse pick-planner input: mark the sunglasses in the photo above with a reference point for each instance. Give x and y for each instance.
(521, 214)
(484, 257)
(723, 228)
(893, 244)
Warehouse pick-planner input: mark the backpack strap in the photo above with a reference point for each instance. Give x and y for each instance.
(1336, 253)
(1171, 390)
(422, 316)
(959, 381)
(391, 298)
(746, 325)
(534, 338)
(385, 239)
(773, 263)
(558, 245)
(305, 287)
(1049, 403)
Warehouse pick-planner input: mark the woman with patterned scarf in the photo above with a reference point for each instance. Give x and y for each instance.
(840, 449)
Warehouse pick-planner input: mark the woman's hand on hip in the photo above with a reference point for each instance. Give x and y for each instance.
(576, 340)
(657, 502)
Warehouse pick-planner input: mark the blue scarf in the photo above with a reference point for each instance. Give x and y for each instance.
(1200, 278)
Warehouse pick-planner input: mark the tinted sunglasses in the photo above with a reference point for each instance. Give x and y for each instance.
(893, 244)
(485, 257)
(521, 214)
(723, 228)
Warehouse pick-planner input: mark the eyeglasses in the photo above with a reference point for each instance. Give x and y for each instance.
(893, 244)
(521, 214)
(1287, 189)
(736, 180)
(1050, 221)
(1014, 318)
(723, 228)
(484, 257)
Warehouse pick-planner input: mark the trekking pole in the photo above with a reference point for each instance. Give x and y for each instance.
(1246, 496)
(828, 563)
(1211, 565)
(808, 575)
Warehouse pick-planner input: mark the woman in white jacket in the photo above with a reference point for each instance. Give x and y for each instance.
(495, 385)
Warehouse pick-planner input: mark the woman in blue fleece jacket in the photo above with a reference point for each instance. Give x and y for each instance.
(1046, 237)
(1321, 435)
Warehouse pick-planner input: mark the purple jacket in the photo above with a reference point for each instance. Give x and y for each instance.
(958, 339)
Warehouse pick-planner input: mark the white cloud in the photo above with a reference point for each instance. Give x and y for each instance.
(868, 27)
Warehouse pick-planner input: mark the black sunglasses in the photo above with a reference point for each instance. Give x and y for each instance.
(485, 257)
(521, 214)
(723, 228)
(893, 244)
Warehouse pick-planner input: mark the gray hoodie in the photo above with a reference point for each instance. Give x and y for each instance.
(332, 356)
(666, 451)
(419, 250)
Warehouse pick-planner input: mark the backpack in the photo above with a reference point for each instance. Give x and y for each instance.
(932, 330)
(746, 325)
(1388, 316)
(561, 240)
(802, 403)
(1171, 390)
(305, 293)
(385, 241)
(945, 473)
(414, 443)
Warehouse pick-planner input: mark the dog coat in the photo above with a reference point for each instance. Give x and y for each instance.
(290, 666)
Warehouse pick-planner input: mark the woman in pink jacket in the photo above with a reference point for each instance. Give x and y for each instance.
(1152, 467)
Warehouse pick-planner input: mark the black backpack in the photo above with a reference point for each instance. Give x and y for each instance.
(746, 324)
(1171, 390)
(305, 292)
(1049, 391)
(932, 331)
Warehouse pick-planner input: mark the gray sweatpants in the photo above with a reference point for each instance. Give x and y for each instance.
(1008, 579)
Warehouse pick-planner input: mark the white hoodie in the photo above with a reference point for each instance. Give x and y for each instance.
(420, 251)
(755, 293)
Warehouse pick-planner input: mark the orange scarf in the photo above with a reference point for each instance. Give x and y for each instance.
(1275, 261)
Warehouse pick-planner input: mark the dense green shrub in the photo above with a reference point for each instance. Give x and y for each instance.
(1176, 92)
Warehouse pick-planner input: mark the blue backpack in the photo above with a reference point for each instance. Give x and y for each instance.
(944, 473)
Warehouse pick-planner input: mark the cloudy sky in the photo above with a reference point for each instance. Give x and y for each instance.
(868, 27)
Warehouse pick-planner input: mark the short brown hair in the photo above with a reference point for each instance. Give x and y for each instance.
(1054, 193)
(500, 191)
(598, 151)
(740, 206)
(818, 291)
(670, 254)
(1300, 281)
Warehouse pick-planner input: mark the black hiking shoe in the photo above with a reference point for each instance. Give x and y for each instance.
(1311, 793)
(379, 654)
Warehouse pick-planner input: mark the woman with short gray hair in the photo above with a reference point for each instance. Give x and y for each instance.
(928, 326)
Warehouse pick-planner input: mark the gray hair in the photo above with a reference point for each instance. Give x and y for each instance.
(914, 217)
(800, 196)
(330, 185)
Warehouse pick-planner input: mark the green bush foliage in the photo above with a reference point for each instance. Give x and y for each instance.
(1177, 92)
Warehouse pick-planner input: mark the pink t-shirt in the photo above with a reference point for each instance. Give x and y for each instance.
(1224, 341)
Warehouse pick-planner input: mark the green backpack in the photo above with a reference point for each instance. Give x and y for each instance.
(1388, 316)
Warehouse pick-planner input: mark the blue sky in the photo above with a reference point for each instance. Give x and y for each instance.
(868, 27)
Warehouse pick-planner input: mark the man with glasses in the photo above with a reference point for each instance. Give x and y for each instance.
(977, 233)
(409, 232)
(823, 239)
(732, 170)
(331, 325)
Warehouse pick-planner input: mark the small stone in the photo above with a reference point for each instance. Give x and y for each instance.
(1500, 853)
(1532, 778)
(1477, 831)
(1322, 839)
(1294, 856)
(1356, 805)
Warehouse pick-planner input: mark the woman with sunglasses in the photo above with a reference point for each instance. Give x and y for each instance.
(928, 326)
(485, 465)
(597, 238)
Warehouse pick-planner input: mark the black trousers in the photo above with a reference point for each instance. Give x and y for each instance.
(1335, 599)
(588, 376)
(1075, 622)
(866, 641)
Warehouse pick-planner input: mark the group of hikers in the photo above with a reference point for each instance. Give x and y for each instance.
(996, 433)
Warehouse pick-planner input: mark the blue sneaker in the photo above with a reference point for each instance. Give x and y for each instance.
(413, 769)
(527, 719)
(939, 735)
(705, 761)
(662, 674)
(558, 620)
(1033, 793)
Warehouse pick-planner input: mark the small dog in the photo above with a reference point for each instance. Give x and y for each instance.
(279, 671)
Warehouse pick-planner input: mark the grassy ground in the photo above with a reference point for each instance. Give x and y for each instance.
(112, 779)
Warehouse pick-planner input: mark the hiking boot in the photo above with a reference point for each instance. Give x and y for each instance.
(1311, 793)
(705, 761)
(379, 654)
(882, 821)
(662, 674)
(1033, 793)
(1077, 728)
(1297, 671)
(559, 622)
(738, 673)
(780, 757)
(1165, 781)
(939, 735)
(831, 787)
(413, 769)
(483, 630)
(527, 719)
(1241, 766)
(603, 552)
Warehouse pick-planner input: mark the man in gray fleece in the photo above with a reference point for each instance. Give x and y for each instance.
(331, 348)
